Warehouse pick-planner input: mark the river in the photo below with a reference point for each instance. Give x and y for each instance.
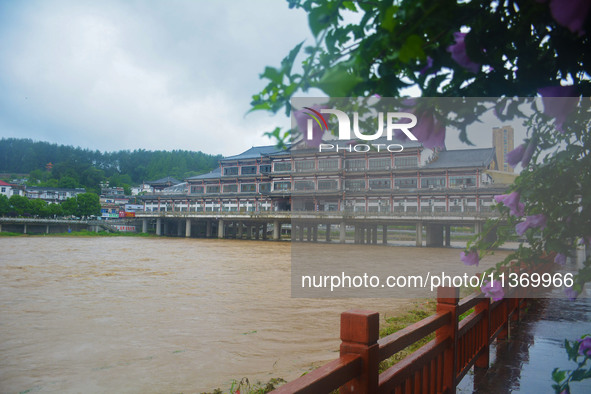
(167, 315)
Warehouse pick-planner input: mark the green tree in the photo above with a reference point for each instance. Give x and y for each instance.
(88, 204)
(19, 205)
(55, 210)
(39, 208)
(70, 207)
(4, 205)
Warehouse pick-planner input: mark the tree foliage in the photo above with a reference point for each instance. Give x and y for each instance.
(75, 167)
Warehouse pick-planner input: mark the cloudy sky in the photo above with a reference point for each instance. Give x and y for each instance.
(113, 74)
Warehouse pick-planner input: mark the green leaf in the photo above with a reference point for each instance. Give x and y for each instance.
(350, 6)
(388, 21)
(412, 49)
(337, 82)
(557, 375)
(272, 74)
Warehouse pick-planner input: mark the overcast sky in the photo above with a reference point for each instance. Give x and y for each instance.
(113, 75)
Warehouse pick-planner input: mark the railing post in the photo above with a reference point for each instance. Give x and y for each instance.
(359, 335)
(447, 301)
(484, 307)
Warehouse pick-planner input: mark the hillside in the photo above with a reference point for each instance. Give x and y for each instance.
(77, 167)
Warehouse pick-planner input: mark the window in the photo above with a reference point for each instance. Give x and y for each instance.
(282, 186)
(264, 187)
(427, 182)
(380, 184)
(304, 185)
(406, 162)
(230, 188)
(230, 171)
(304, 165)
(196, 189)
(328, 164)
(265, 169)
(355, 164)
(327, 184)
(248, 170)
(355, 184)
(379, 164)
(212, 189)
(406, 183)
(282, 166)
(462, 181)
(248, 188)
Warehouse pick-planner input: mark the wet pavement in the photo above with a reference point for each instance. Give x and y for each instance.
(524, 363)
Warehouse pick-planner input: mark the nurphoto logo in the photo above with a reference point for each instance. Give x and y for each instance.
(393, 122)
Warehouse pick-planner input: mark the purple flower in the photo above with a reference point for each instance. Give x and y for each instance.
(428, 66)
(529, 152)
(515, 156)
(428, 131)
(560, 259)
(559, 102)
(532, 221)
(470, 258)
(302, 118)
(458, 53)
(570, 13)
(511, 201)
(570, 293)
(585, 346)
(495, 290)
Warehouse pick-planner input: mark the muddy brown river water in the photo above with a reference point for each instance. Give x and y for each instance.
(137, 315)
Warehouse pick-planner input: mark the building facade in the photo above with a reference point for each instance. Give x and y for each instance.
(503, 141)
(265, 178)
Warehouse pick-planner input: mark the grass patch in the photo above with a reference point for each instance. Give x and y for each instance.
(420, 311)
(10, 234)
(245, 387)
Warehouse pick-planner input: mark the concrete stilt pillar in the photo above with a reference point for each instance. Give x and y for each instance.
(301, 232)
(375, 235)
(328, 232)
(435, 235)
(385, 234)
(447, 235)
(369, 237)
(240, 229)
(188, 228)
(221, 228)
(342, 232)
(276, 230)
(309, 233)
(257, 232)
(419, 234)
(0, 227)
(47, 229)
(265, 231)
(208, 229)
(315, 233)
(144, 225)
(158, 226)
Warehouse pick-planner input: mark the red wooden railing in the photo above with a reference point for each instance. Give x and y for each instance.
(436, 367)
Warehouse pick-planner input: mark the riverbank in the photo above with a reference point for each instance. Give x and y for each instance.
(81, 233)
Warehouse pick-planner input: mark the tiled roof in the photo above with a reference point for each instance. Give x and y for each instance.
(463, 158)
(213, 174)
(256, 152)
(168, 179)
(2, 183)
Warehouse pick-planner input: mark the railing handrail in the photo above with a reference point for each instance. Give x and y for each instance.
(439, 365)
(325, 378)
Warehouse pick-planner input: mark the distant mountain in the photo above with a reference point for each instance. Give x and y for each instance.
(67, 166)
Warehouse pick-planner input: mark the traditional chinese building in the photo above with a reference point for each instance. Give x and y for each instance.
(346, 178)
